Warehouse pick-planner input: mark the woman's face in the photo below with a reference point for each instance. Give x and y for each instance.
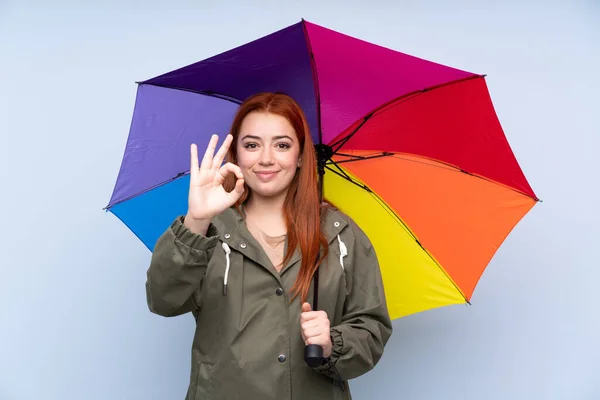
(268, 153)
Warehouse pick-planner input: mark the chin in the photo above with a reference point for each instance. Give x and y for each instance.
(269, 193)
(268, 190)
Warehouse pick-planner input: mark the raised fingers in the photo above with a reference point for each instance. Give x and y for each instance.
(208, 154)
(220, 156)
(193, 159)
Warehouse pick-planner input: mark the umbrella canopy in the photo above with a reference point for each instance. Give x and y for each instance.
(412, 150)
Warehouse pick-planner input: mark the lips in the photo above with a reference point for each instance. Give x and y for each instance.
(265, 175)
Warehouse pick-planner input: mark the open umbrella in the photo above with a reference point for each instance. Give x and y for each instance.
(412, 150)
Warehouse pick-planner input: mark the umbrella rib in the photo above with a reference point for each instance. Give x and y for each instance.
(398, 220)
(341, 173)
(442, 164)
(355, 158)
(361, 185)
(148, 189)
(397, 101)
(436, 164)
(313, 67)
(340, 143)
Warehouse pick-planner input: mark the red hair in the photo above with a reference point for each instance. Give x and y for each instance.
(302, 208)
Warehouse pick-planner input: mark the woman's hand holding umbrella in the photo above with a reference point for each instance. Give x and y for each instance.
(315, 329)
(207, 197)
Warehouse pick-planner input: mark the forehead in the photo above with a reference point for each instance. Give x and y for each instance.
(266, 125)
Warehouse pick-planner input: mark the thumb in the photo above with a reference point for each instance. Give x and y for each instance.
(306, 307)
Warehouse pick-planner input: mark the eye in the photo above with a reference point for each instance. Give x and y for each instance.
(250, 145)
(283, 145)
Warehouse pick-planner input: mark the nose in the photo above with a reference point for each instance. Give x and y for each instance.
(266, 156)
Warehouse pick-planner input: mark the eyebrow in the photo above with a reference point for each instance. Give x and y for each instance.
(274, 137)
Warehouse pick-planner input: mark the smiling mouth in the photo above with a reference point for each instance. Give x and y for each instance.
(265, 175)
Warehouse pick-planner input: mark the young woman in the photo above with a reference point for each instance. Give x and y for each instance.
(242, 261)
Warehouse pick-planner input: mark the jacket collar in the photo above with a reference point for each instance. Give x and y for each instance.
(334, 223)
(232, 230)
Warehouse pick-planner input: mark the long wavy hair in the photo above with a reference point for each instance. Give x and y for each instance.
(302, 206)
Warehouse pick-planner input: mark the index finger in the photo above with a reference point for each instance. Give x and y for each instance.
(208, 154)
(220, 156)
(308, 315)
(193, 158)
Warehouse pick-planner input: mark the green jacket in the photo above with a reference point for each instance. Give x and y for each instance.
(248, 343)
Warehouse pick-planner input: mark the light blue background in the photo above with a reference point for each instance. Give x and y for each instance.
(73, 317)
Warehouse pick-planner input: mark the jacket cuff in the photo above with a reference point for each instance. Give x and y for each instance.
(193, 240)
(328, 367)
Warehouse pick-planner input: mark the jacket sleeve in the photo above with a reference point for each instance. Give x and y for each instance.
(358, 341)
(177, 267)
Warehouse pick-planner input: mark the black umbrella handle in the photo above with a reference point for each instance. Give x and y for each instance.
(313, 353)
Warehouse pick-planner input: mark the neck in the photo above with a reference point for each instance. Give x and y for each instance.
(267, 213)
(265, 206)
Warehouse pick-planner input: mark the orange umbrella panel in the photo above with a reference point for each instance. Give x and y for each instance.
(433, 227)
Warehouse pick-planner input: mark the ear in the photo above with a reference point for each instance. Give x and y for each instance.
(299, 162)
